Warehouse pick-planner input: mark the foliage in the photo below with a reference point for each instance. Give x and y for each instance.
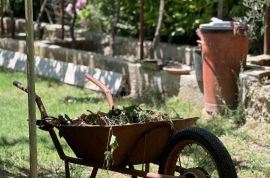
(255, 18)
(19, 8)
(180, 20)
(126, 115)
(111, 146)
(92, 18)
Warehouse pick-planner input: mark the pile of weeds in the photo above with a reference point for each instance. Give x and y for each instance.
(126, 115)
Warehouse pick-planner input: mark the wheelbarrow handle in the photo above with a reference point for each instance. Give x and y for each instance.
(38, 100)
(103, 88)
(20, 86)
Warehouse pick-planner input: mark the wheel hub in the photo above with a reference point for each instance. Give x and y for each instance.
(196, 173)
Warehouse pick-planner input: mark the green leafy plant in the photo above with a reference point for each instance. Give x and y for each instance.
(111, 147)
(92, 19)
(254, 17)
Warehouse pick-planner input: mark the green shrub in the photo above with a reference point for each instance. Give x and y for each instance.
(255, 18)
(181, 18)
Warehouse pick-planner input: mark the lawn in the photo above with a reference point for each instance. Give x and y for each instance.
(249, 143)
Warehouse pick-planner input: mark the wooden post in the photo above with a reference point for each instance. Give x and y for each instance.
(31, 87)
(141, 29)
(267, 31)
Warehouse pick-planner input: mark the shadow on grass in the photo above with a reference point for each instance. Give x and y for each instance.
(12, 142)
(81, 100)
(25, 172)
(6, 174)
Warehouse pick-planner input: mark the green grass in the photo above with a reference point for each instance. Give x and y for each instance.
(248, 144)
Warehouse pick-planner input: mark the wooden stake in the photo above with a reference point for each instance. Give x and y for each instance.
(31, 87)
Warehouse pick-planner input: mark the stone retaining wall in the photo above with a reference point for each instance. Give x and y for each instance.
(137, 80)
(255, 85)
(127, 47)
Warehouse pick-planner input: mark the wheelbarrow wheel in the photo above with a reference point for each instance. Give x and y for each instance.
(196, 153)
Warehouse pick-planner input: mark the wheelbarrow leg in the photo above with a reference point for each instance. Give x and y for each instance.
(147, 167)
(94, 172)
(67, 169)
(132, 167)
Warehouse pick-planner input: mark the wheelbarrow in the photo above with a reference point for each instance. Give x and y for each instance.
(176, 148)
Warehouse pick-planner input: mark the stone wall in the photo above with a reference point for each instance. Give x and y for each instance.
(255, 85)
(127, 47)
(137, 80)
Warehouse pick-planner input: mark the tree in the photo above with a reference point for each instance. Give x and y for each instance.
(72, 9)
(267, 30)
(220, 9)
(115, 20)
(62, 19)
(42, 9)
(72, 26)
(258, 21)
(156, 38)
(12, 20)
(1, 14)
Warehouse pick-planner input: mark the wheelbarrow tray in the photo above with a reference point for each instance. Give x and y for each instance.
(138, 143)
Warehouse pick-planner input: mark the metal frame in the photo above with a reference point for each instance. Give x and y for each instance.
(96, 166)
(45, 125)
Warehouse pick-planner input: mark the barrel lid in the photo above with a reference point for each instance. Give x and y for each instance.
(217, 24)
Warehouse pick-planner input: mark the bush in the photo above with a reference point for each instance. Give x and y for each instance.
(255, 18)
(181, 18)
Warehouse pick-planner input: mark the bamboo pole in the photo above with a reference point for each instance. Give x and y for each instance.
(31, 87)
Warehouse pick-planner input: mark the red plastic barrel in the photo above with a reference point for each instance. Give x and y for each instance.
(223, 55)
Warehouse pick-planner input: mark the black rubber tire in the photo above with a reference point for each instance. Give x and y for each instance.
(220, 156)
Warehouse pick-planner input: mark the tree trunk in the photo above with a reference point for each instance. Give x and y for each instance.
(42, 9)
(2, 14)
(141, 29)
(156, 38)
(11, 13)
(62, 19)
(267, 31)
(72, 26)
(113, 26)
(220, 9)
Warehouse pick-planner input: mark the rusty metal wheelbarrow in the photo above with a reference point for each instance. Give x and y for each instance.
(172, 146)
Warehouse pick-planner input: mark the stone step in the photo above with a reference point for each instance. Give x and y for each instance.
(262, 60)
